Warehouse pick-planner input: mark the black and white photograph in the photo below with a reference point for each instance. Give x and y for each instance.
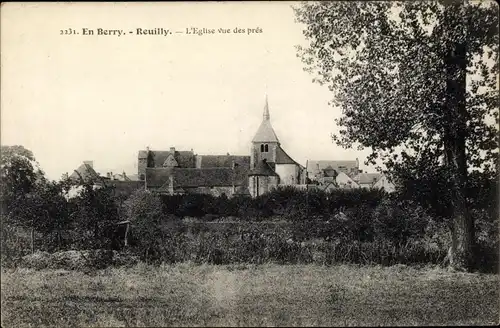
(249, 163)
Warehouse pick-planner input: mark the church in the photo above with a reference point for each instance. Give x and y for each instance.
(179, 172)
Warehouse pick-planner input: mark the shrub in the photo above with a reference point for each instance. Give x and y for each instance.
(397, 221)
(92, 213)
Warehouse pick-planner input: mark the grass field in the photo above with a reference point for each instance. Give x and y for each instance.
(266, 295)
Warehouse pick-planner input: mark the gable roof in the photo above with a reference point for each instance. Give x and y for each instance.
(206, 161)
(385, 184)
(367, 178)
(262, 169)
(170, 161)
(313, 166)
(282, 157)
(183, 158)
(86, 173)
(343, 180)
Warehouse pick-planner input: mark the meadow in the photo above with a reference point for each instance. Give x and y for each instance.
(188, 294)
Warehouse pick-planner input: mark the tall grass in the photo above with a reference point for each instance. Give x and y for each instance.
(248, 295)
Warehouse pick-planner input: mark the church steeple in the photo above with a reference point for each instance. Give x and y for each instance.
(265, 133)
(265, 142)
(266, 111)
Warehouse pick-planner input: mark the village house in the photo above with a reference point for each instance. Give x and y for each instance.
(174, 171)
(367, 180)
(328, 175)
(122, 184)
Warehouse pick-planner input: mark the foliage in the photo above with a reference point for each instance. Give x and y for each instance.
(18, 171)
(93, 214)
(30, 201)
(284, 226)
(143, 207)
(418, 86)
(399, 221)
(388, 79)
(19, 174)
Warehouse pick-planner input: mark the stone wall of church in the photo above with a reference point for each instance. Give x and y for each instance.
(259, 185)
(289, 174)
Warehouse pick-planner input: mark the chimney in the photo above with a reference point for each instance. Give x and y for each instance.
(357, 163)
(89, 163)
(124, 175)
(108, 174)
(172, 149)
(147, 149)
(227, 154)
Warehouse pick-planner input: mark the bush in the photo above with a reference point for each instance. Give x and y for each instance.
(398, 221)
(284, 226)
(92, 214)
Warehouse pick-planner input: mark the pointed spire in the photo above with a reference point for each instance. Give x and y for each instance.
(265, 132)
(266, 110)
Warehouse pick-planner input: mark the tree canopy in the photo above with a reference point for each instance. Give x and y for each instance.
(417, 83)
(385, 63)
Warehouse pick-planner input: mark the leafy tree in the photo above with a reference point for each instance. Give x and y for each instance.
(417, 83)
(143, 206)
(145, 211)
(22, 191)
(18, 172)
(94, 213)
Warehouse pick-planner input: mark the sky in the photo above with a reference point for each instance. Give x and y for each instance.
(70, 98)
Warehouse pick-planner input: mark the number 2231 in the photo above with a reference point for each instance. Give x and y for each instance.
(67, 31)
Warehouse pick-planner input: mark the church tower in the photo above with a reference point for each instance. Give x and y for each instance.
(265, 142)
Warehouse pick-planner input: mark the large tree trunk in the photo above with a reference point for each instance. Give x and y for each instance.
(461, 257)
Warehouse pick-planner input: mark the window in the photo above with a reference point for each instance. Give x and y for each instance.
(261, 148)
(266, 149)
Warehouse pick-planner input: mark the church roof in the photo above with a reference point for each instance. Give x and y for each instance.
(263, 169)
(265, 133)
(195, 177)
(183, 158)
(125, 188)
(282, 157)
(206, 161)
